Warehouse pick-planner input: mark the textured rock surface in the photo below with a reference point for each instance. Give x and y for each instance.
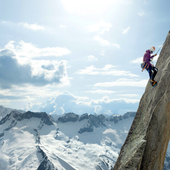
(93, 121)
(118, 118)
(17, 116)
(68, 117)
(146, 144)
(83, 116)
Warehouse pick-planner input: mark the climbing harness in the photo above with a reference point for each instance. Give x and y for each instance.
(144, 66)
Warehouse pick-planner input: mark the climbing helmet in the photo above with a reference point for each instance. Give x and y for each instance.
(152, 49)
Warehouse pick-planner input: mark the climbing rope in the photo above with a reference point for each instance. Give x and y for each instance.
(159, 49)
(156, 53)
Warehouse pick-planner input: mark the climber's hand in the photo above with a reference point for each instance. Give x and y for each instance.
(155, 55)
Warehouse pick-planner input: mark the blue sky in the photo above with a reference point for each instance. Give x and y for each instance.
(77, 56)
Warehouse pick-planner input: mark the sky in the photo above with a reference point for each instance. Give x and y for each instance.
(61, 56)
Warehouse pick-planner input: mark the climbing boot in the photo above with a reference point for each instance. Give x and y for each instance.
(153, 83)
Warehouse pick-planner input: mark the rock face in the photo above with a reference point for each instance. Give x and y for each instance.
(5, 111)
(116, 119)
(93, 121)
(146, 144)
(83, 116)
(68, 117)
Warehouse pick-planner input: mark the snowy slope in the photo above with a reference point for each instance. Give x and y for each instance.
(4, 111)
(98, 149)
(35, 141)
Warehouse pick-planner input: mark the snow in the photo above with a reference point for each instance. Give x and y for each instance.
(62, 144)
(4, 111)
(19, 145)
(3, 161)
(83, 151)
(31, 142)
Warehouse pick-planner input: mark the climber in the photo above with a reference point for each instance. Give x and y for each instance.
(148, 66)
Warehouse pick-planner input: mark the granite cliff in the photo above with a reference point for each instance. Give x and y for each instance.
(147, 141)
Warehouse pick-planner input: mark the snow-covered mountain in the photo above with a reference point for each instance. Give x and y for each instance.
(4, 111)
(37, 141)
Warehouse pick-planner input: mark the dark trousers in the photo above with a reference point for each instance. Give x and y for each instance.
(152, 72)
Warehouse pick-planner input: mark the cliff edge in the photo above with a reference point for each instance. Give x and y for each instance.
(147, 141)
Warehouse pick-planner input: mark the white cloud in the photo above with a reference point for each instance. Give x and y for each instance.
(116, 106)
(108, 67)
(9, 45)
(49, 69)
(125, 31)
(91, 58)
(18, 71)
(33, 27)
(89, 71)
(99, 27)
(66, 102)
(29, 50)
(137, 61)
(124, 82)
(101, 92)
(141, 14)
(4, 164)
(25, 97)
(105, 42)
(113, 132)
(102, 41)
(107, 70)
(129, 95)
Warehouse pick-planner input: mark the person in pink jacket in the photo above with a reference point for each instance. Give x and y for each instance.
(148, 66)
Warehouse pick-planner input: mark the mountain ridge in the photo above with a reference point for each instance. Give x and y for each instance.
(29, 141)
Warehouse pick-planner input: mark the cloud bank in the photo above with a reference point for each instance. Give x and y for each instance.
(33, 72)
(29, 50)
(33, 27)
(124, 82)
(66, 102)
(106, 70)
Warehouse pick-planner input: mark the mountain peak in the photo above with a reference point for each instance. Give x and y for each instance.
(68, 117)
(45, 118)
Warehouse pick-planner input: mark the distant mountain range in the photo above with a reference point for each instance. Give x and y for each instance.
(38, 141)
(4, 111)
